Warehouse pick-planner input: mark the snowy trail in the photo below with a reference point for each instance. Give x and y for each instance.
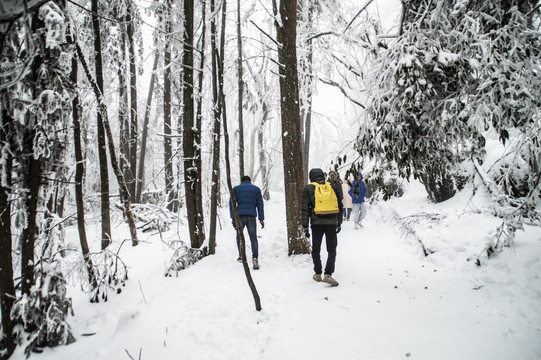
(391, 303)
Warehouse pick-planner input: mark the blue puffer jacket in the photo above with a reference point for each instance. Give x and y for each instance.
(249, 201)
(357, 191)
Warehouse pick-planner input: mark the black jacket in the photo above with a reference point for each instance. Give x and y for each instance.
(308, 202)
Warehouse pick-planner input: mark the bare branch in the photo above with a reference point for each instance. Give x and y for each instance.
(264, 33)
(357, 15)
(335, 84)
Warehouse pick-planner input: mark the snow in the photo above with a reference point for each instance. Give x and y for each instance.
(392, 302)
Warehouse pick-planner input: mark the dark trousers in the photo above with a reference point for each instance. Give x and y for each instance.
(331, 241)
(347, 213)
(250, 223)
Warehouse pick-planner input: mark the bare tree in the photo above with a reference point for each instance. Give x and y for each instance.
(102, 146)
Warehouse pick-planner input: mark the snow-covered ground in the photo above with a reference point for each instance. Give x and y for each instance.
(392, 302)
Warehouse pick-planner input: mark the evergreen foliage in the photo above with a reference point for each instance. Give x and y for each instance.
(449, 81)
(460, 73)
(43, 313)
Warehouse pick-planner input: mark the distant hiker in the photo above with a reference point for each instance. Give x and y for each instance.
(322, 208)
(334, 178)
(249, 205)
(357, 193)
(347, 199)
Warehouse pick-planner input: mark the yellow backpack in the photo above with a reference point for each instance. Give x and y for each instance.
(326, 202)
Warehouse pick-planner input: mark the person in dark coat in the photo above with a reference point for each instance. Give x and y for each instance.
(249, 205)
(328, 225)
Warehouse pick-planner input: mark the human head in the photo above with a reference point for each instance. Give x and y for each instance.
(360, 175)
(316, 175)
(245, 178)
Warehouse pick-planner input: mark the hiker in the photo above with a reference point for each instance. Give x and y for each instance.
(347, 199)
(328, 224)
(334, 178)
(249, 205)
(357, 193)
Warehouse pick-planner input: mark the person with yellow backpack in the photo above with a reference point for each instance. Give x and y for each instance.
(321, 207)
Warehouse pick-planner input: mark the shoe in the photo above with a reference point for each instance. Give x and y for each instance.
(329, 280)
(256, 264)
(355, 226)
(360, 224)
(317, 277)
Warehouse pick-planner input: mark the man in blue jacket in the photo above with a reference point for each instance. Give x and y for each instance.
(357, 191)
(249, 205)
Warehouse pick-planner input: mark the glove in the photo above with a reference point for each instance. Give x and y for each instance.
(338, 228)
(306, 232)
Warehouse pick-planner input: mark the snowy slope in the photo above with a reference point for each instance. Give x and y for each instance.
(392, 302)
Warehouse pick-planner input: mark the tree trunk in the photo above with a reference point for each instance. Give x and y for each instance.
(291, 126)
(141, 166)
(217, 93)
(171, 194)
(192, 174)
(240, 94)
(102, 146)
(7, 287)
(198, 128)
(133, 102)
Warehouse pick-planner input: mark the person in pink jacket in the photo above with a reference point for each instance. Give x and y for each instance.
(347, 199)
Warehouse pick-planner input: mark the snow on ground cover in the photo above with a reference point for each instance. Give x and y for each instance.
(392, 301)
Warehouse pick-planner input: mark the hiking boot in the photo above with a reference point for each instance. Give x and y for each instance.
(355, 226)
(329, 280)
(360, 224)
(256, 264)
(317, 277)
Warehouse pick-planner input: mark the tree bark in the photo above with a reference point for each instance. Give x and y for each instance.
(102, 146)
(192, 174)
(7, 287)
(141, 165)
(131, 181)
(291, 126)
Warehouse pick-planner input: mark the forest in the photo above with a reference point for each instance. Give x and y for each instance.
(148, 112)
